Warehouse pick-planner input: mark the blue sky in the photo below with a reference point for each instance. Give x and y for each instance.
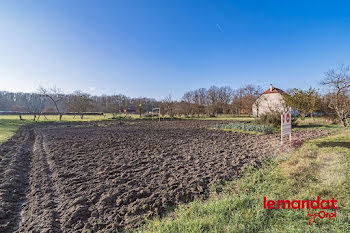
(156, 48)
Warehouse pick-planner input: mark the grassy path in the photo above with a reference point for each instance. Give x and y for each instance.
(319, 168)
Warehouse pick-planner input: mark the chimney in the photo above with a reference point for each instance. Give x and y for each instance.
(270, 87)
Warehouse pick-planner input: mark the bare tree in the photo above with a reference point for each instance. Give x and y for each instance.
(125, 102)
(181, 108)
(187, 103)
(244, 99)
(200, 100)
(140, 105)
(115, 104)
(225, 95)
(34, 104)
(338, 82)
(55, 95)
(19, 109)
(168, 104)
(213, 100)
(79, 102)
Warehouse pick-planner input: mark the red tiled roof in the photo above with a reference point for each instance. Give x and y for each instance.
(274, 90)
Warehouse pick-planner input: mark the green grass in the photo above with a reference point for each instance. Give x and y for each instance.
(122, 116)
(51, 118)
(320, 167)
(317, 123)
(9, 124)
(8, 127)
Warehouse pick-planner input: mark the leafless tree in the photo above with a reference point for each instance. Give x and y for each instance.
(213, 100)
(168, 104)
(225, 96)
(34, 104)
(55, 95)
(200, 100)
(125, 102)
(79, 102)
(140, 105)
(181, 108)
(244, 98)
(187, 105)
(19, 109)
(338, 83)
(115, 104)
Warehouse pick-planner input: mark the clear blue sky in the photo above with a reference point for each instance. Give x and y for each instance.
(156, 48)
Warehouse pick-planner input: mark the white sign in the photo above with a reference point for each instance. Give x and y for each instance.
(286, 124)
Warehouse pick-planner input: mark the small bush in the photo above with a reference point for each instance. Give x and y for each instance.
(273, 119)
(245, 127)
(270, 119)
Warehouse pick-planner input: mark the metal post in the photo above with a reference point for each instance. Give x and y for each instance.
(290, 138)
(282, 130)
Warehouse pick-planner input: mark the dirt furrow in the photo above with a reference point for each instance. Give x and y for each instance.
(40, 212)
(14, 178)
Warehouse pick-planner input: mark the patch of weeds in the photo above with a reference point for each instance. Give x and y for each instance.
(244, 127)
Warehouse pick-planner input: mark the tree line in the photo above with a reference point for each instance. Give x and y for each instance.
(333, 102)
(212, 101)
(52, 100)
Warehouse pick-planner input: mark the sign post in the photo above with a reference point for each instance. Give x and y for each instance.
(286, 126)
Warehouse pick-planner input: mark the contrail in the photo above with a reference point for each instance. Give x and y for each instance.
(219, 27)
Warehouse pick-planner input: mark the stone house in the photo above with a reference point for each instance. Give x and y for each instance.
(270, 101)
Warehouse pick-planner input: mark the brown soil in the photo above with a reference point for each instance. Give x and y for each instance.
(78, 176)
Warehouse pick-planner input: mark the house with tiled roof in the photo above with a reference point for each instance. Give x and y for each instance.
(270, 101)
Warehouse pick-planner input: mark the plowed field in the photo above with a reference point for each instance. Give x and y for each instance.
(73, 177)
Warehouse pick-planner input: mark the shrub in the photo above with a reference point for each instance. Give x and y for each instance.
(270, 119)
(273, 119)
